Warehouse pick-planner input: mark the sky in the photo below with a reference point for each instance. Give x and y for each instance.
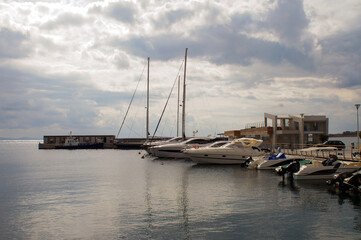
(74, 65)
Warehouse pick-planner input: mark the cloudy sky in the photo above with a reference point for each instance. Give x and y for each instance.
(74, 65)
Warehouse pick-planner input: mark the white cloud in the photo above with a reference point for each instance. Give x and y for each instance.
(75, 65)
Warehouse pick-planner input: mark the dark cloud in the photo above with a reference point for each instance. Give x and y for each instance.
(121, 11)
(342, 58)
(65, 20)
(218, 44)
(230, 43)
(168, 18)
(288, 20)
(13, 44)
(31, 100)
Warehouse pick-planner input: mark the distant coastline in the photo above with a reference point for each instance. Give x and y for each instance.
(23, 138)
(344, 134)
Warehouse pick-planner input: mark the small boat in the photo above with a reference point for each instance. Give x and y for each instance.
(272, 162)
(73, 143)
(175, 150)
(235, 152)
(319, 170)
(347, 182)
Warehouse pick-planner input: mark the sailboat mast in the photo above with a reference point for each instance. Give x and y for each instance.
(184, 97)
(147, 123)
(178, 106)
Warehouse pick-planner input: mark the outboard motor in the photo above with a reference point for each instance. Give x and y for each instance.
(338, 179)
(354, 182)
(247, 162)
(290, 169)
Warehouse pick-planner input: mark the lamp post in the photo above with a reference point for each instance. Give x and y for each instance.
(358, 143)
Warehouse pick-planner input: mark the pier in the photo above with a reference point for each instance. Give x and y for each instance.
(59, 141)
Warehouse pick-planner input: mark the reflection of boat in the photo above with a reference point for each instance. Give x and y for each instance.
(175, 150)
(235, 152)
(272, 162)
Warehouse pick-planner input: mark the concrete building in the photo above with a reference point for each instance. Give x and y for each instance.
(296, 131)
(50, 142)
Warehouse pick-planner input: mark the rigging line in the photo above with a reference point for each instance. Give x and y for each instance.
(136, 113)
(131, 100)
(160, 119)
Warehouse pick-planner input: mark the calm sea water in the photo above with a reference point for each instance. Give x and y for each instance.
(348, 141)
(115, 194)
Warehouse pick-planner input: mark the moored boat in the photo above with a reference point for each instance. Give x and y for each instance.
(235, 152)
(272, 162)
(175, 150)
(320, 169)
(73, 143)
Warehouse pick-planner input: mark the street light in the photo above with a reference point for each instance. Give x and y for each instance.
(358, 143)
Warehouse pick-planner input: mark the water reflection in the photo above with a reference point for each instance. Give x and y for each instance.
(118, 195)
(184, 203)
(166, 198)
(290, 184)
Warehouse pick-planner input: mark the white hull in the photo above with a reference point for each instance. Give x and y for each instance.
(175, 150)
(218, 159)
(223, 155)
(323, 172)
(167, 154)
(274, 163)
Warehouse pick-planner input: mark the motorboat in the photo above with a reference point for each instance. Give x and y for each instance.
(274, 161)
(347, 182)
(73, 143)
(148, 144)
(175, 150)
(235, 152)
(315, 171)
(320, 169)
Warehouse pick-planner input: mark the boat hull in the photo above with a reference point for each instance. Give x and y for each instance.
(217, 160)
(168, 153)
(325, 172)
(221, 155)
(82, 146)
(273, 164)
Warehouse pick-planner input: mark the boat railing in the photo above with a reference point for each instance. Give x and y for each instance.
(348, 153)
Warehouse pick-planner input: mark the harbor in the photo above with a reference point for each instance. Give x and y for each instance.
(116, 194)
(204, 120)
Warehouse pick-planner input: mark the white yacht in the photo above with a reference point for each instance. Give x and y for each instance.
(148, 144)
(235, 152)
(175, 150)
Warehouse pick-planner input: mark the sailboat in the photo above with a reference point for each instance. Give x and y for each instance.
(135, 143)
(175, 150)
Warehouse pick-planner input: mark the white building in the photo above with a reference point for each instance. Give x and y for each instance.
(293, 130)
